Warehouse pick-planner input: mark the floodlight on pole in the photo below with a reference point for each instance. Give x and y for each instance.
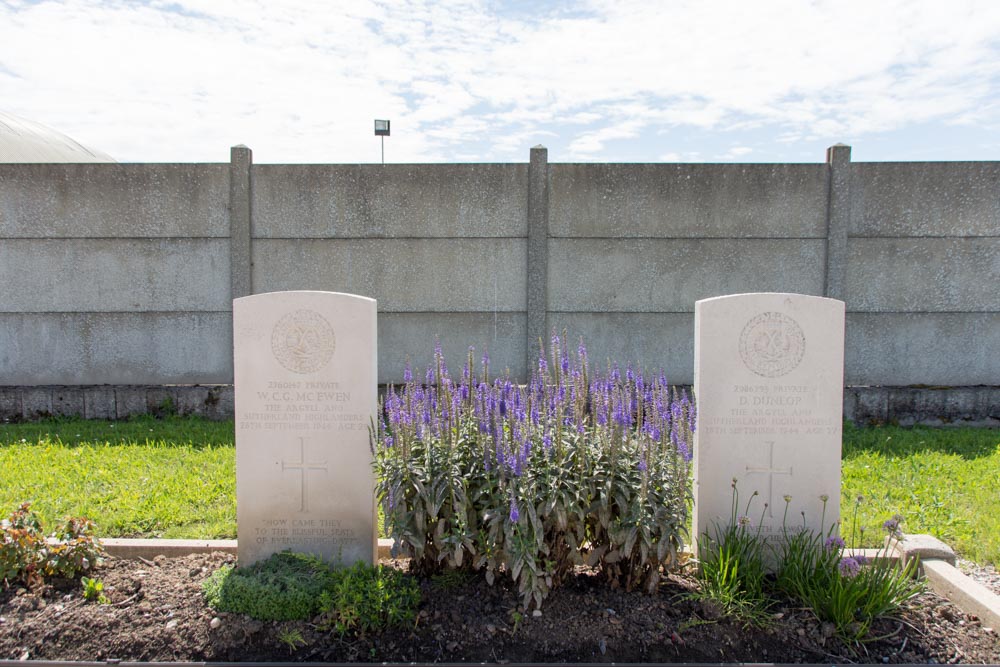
(382, 130)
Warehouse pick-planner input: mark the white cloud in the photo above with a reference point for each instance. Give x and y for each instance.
(302, 81)
(734, 153)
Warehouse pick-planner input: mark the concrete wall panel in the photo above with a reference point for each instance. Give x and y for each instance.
(658, 275)
(396, 200)
(651, 341)
(946, 349)
(111, 275)
(114, 200)
(919, 275)
(925, 199)
(688, 200)
(414, 275)
(116, 348)
(403, 336)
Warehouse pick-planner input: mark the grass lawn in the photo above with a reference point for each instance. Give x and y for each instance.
(176, 478)
(945, 482)
(137, 478)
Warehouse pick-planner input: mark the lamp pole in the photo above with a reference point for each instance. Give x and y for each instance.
(382, 130)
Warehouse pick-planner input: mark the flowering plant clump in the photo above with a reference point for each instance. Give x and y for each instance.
(840, 586)
(25, 554)
(571, 469)
(733, 565)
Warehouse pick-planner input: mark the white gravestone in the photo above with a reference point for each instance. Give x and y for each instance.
(305, 385)
(768, 379)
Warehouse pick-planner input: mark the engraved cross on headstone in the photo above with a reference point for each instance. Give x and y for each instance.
(304, 467)
(770, 471)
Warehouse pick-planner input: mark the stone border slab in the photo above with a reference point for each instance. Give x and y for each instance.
(123, 547)
(972, 597)
(924, 547)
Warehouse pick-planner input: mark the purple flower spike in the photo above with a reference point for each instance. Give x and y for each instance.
(515, 515)
(407, 373)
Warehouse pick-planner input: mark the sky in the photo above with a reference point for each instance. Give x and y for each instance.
(302, 81)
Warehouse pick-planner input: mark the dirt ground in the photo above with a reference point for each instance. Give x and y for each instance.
(156, 613)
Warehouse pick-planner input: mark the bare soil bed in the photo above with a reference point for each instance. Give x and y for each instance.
(156, 613)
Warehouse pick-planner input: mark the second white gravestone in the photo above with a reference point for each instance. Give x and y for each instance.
(305, 389)
(768, 379)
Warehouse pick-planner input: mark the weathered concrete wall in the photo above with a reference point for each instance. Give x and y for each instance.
(390, 201)
(688, 200)
(923, 270)
(114, 273)
(124, 274)
(440, 247)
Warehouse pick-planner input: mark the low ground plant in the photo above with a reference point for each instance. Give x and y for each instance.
(93, 590)
(529, 481)
(27, 556)
(367, 599)
(285, 587)
(293, 586)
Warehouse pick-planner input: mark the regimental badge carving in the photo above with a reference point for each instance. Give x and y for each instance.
(772, 344)
(302, 341)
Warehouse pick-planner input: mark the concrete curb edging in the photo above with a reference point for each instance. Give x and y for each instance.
(123, 547)
(968, 595)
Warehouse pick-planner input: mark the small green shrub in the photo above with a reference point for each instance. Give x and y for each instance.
(292, 638)
(291, 586)
(93, 590)
(75, 549)
(366, 599)
(27, 556)
(285, 587)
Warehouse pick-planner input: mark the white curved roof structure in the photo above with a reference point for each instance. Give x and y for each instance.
(23, 140)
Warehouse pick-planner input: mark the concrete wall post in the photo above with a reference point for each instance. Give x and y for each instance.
(838, 220)
(241, 268)
(538, 254)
